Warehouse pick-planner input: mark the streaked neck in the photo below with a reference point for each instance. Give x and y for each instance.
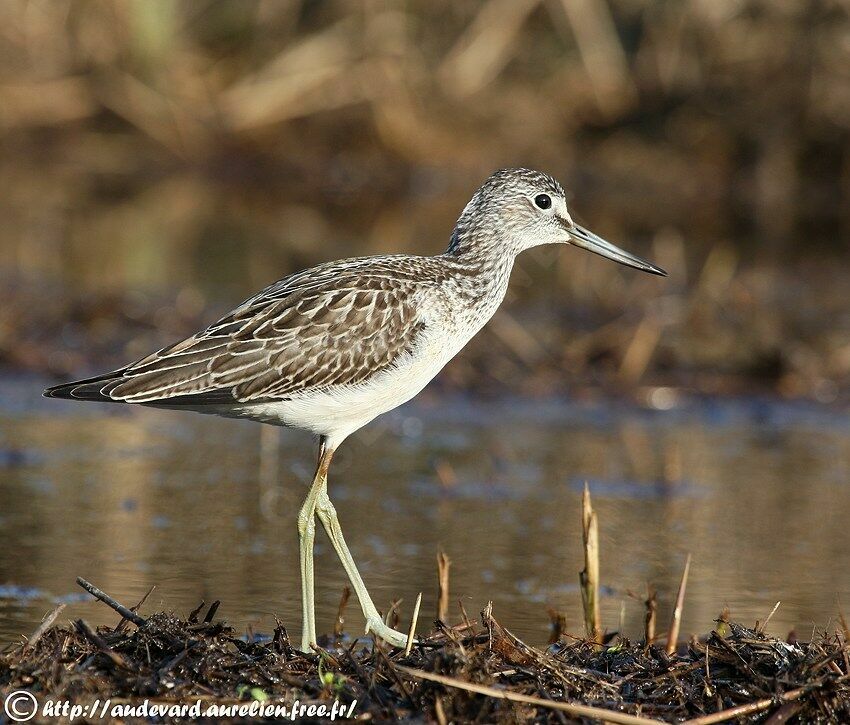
(479, 249)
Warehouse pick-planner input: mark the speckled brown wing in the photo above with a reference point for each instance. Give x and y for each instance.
(334, 325)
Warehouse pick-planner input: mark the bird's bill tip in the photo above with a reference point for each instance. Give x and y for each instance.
(584, 238)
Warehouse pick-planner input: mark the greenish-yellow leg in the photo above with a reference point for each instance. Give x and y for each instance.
(306, 540)
(318, 504)
(327, 515)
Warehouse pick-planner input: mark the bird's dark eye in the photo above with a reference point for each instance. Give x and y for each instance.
(544, 201)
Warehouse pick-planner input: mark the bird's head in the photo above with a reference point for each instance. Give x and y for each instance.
(516, 209)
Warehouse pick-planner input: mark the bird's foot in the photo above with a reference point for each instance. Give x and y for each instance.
(386, 633)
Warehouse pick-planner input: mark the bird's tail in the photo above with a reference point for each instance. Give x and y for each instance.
(88, 389)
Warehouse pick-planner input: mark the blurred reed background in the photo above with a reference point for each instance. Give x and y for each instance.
(161, 160)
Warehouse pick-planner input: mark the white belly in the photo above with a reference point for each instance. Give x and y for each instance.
(339, 411)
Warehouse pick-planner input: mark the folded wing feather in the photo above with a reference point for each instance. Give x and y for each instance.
(337, 327)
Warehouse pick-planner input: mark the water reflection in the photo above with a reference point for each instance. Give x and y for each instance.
(205, 508)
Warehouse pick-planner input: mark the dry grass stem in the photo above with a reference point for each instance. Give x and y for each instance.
(443, 565)
(589, 576)
(676, 619)
(412, 631)
(763, 626)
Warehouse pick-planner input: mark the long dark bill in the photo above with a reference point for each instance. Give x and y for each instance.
(584, 238)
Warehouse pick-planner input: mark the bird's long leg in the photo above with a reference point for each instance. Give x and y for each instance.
(327, 515)
(306, 539)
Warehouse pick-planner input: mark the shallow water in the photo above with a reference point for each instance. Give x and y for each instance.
(205, 508)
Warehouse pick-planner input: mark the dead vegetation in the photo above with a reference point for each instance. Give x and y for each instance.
(473, 671)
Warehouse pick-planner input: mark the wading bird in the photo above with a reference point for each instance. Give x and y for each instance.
(329, 349)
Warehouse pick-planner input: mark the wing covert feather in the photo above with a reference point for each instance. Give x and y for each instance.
(302, 333)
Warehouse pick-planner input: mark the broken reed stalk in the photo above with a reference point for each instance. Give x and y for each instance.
(843, 620)
(722, 627)
(676, 620)
(46, 623)
(558, 621)
(339, 624)
(391, 619)
(412, 631)
(443, 565)
(589, 576)
(212, 611)
(651, 603)
(466, 621)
